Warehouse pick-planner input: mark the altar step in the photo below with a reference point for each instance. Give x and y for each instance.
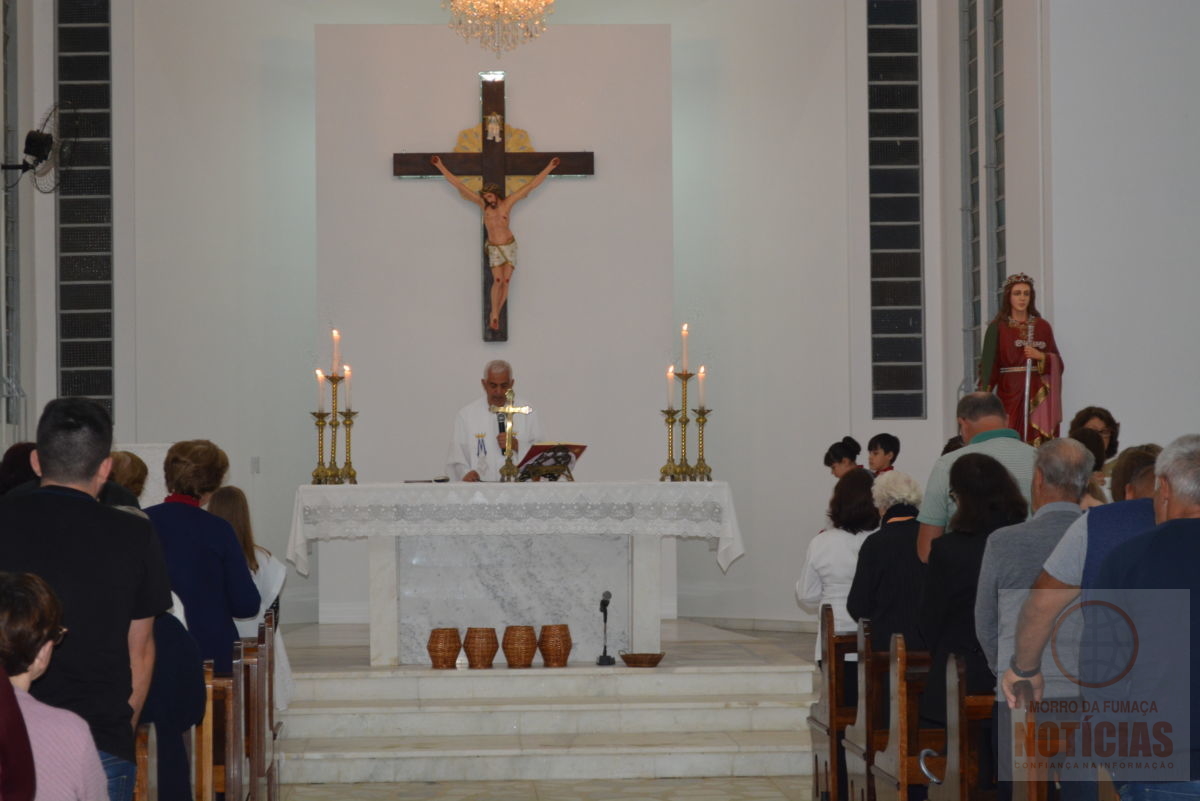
(413, 724)
(514, 756)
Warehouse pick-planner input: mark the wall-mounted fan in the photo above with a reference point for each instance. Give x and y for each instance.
(50, 148)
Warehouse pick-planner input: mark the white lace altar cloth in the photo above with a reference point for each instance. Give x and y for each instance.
(663, 509)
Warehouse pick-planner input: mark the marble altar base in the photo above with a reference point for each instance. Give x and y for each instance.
(519, 580)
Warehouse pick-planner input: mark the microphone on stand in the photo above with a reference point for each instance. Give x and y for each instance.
(500, 422)
(604, 658)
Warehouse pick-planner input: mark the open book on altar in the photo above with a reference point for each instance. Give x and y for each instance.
(550, 460)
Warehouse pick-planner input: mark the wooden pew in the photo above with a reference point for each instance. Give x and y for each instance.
(965, 714)
(220, 742)
(896, 766)
(829, 714)
(145, 786)
(867, 735)
(266, 643)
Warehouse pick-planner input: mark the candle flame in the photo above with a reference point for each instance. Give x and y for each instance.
(336, 335)
(320, 376)
(685, 329)
(702, 369)
(346, 369)
(671, 370)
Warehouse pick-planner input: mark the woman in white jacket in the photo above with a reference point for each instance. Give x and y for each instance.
(230, 503)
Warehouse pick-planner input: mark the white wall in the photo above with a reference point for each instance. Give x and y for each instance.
(1123, 100)
(221, 212)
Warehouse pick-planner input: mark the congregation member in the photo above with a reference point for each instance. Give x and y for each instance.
(1165, 557)
(205, 562)
(175, 703)
(15, 469)
(107, 569)
(1014, 555)
(832, 555)
(983, 425)
(1075, 563)
(889, 578)
(230, 504)
(988, 498)
(1100, 420)
(842, 457)
(882, 452)
(130, 472)
(1133, 470)
(476, 450)
(16, 758)
(1095, 495)
(66, 764)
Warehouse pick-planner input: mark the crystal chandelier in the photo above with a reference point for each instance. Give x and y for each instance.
(499, 25)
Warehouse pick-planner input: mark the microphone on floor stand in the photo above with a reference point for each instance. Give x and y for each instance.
(604, 658)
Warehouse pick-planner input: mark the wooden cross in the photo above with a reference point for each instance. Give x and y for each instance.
(495, 165)
(509, 471)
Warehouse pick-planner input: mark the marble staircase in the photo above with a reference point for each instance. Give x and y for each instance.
(416, 724)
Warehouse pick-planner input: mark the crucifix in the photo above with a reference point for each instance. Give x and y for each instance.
(495, 163)
(509, 471)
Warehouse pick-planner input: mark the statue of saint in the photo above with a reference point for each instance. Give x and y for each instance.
(1016, 337)
(501, 245)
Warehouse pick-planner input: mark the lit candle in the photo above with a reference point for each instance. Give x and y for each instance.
(684, 334)
(700, 378)
(671, 387)
(337, 351)
(320, 391)
(346, 370)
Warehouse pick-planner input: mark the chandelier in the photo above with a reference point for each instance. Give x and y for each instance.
(499, 25)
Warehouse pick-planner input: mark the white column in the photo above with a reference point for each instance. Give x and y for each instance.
(385, 609)
(646, 628)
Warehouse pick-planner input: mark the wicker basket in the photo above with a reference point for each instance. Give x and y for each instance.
(555, 645)
(444, 645)
(520, 644)
(481, 646)
(641, 660)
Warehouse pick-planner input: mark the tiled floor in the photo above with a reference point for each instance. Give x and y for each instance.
(775, 788)
(343, 647)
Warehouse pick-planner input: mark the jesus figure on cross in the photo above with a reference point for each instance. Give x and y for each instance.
(501, 245)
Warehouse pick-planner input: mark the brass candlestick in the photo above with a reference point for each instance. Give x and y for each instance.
(701, 472)
(318, 474)
(333, 474)
(667, 473)
(683, 472)
(349, 474)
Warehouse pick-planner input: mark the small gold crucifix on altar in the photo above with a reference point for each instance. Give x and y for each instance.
(509, 471)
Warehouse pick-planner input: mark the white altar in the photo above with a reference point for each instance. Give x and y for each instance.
(463, 554)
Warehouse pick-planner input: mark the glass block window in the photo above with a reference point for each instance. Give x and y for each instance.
(896, 241)
(11, 391)
(985, 264)
(995, 104)
(85, 233)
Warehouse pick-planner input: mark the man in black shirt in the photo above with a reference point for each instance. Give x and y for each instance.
(106, 566)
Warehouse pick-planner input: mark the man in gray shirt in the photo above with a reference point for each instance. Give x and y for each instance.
(1014, 555)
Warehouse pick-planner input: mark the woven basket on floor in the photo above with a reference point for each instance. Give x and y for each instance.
(555, 645)
(520, 644)
(444, 645)
(481, 646)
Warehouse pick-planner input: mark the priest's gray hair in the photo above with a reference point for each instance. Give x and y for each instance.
(497, 366)
(1066, 465)
(1179, 463)
(894, 487)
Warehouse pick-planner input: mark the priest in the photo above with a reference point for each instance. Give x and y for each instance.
(477, 449)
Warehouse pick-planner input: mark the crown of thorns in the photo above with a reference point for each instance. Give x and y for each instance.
(1019, 278)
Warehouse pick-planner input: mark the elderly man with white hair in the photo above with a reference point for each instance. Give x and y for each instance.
(890, 577)
(476, 450)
